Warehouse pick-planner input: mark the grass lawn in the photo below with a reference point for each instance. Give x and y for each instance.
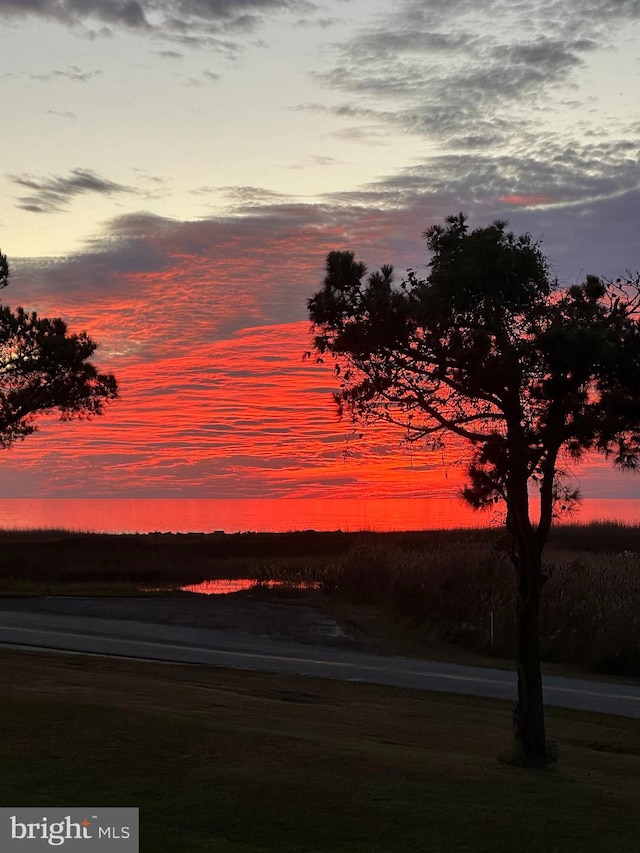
(240, 762)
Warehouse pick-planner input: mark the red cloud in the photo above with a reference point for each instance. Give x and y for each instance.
(526, 200)
(205, 326)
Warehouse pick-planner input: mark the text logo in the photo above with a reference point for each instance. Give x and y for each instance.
(75, 829)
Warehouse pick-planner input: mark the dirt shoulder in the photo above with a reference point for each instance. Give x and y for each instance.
(309, 618)
(298, 622)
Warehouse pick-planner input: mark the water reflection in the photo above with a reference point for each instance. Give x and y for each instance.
(270, 515)
(224, 586)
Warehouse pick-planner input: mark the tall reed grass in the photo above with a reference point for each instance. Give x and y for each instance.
(465, 592)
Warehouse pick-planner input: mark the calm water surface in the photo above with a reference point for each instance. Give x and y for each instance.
(225, 586)
(277, 515)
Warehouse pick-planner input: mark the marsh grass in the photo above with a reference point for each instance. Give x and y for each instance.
(590, 610)
(465, 593)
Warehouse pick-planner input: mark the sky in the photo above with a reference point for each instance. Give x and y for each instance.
(174, 173)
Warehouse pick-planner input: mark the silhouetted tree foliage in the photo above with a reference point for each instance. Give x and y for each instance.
(488, 348)
(44, 369)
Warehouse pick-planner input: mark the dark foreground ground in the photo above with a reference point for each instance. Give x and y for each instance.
(220, 761)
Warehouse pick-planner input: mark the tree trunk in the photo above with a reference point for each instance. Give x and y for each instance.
(531, 745)
(528, 717)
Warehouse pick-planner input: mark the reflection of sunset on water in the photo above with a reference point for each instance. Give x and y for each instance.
(227, 586)
(223, 586)
(274, 515)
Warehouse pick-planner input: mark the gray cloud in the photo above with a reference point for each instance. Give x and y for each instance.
(247, 198)
(53, 194)
(470, 73)
(323, 23)
(484, 83)
(562, 174)
(129, 13)
(372, 135)
(469, 86)
(63, 114)
(190, 22)
(73, 73)
(169, 54)
(207, 77)
(598, 236)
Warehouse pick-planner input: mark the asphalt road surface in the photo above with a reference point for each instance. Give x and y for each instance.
(244, 650)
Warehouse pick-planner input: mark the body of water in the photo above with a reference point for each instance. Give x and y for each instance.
(277, 515)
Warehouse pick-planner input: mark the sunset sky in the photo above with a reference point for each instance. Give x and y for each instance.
(174, 173)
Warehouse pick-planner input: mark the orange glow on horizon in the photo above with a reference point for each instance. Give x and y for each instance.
(129, 515)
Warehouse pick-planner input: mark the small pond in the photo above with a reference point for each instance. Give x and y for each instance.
(224, 586)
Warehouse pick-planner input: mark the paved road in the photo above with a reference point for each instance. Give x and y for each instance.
(229, 648)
